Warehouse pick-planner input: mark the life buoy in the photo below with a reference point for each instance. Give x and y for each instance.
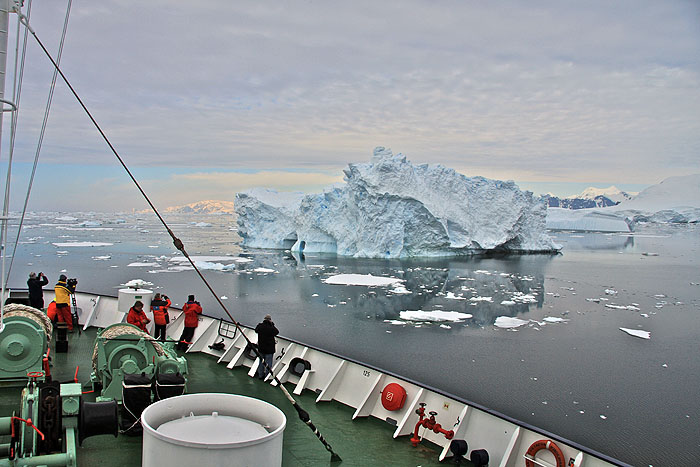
(549, 445)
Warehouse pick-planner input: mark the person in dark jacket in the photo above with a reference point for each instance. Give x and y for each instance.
(36, 293)
(266, 344)
(192, 309)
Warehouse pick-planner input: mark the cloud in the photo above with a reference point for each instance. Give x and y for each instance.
(537, 91)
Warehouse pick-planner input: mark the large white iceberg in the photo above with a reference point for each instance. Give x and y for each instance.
(391, 208)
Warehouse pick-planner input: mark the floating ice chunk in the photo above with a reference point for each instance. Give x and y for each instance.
(77, 244)
(603, 417)
(315, 266)
(66, 219)
(90, 224)
(394, 321)
(509, 322)
(434, 315)
(481, 299)
(101, 258)
(508, 302)
(610, 292)
(650, 254)
(596, 300)
(445, 326)
(361, 279)
(202, 224)
(137, 284)
(211, 259)
(314, 295)
(452, 296)
(266, 270)
(141, 265)
(554, 319)
(622, 307)
(224, 297)
(209, 266)
(399, 289)
(637, 333)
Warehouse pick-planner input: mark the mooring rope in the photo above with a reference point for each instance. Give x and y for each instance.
(303, 414)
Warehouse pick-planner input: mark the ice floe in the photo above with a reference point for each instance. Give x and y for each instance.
(361, 279)
(78, 244)
(142, 265)
(507, 322)
(434, 315)
(637, 333)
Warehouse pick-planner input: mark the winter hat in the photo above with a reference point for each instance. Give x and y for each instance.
(190, 298)
(32, 275)
(62, 277)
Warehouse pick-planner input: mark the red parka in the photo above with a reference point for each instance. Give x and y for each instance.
(138, 319)
(192, 310)
(160, 311)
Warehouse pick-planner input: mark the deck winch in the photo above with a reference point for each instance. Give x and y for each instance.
(24, 342)
(51, 416)
(122, 350)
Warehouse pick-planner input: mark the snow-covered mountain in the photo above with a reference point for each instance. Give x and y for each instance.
(590, 198)
(612, 193)
(203, 207)
(391, 208)
(576, 202)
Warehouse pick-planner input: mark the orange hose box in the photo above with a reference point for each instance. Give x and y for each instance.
(393, 396)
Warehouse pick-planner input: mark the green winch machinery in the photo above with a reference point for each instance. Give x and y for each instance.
(53, 415)
(24, 342)
(122, 350)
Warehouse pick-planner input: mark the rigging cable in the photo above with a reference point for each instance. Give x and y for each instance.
(303, 414)
(41, 133)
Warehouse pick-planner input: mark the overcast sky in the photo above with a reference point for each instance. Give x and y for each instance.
(206, 99)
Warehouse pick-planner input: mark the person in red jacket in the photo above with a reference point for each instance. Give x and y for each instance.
(192, 309)
(138, 317)
(52, 311)
(159, 307)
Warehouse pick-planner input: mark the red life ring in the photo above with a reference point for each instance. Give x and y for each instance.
(549, 445)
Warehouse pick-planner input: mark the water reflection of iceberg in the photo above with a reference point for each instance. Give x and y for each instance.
(482, 287)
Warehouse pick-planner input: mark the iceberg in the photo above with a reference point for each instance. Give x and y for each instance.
(391, 208)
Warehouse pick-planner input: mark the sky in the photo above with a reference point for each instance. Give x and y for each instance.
(205, 100)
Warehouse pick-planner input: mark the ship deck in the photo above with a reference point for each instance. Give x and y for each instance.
(360, 442)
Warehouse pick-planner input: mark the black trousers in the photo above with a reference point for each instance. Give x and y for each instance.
(36, 302)
(160, 331)
(187, 335)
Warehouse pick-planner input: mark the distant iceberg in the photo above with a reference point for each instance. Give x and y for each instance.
(675, 200)
(585, 220)
(390, 208)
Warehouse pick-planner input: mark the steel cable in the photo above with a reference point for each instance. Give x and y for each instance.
(303, 415)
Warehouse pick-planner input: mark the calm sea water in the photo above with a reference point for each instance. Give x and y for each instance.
(584, 379)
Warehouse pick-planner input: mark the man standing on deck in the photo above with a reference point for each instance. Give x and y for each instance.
(36, 284)
(192, 309)
(266, 344)
(64, 289)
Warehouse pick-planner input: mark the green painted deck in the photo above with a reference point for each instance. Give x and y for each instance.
(361, 442)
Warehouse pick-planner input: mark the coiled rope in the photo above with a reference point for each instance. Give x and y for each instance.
(303, 414)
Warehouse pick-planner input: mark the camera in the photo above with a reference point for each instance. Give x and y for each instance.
(72, 282)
